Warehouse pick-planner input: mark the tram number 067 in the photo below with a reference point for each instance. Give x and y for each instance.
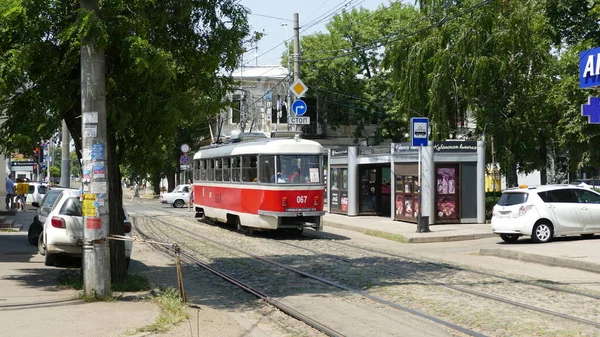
(301, 199)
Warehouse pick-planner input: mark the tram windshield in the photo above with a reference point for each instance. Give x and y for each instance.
(291, 169)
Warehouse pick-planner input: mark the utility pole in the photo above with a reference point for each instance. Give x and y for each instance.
(296, 63)
(65, 163)
(96, 254)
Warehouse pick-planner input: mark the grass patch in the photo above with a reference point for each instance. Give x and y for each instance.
(172, 312)
(133, 283)
(70, 279)
(384, 235)
(73, 279)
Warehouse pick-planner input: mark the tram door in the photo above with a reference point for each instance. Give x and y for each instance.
(375, 192)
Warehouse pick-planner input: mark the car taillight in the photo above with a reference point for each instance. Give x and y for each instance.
(57, 222)
(522, 210)
(284, 201)
(127, 227)
(316, 201)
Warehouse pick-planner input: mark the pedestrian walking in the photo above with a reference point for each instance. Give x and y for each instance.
(191, 195)
(136, 192)
(21, 192)
(10, 192)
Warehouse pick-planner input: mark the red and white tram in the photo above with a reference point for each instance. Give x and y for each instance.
(267, 183)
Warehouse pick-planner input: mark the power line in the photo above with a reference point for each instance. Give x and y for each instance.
(270, 17)
(377, 43)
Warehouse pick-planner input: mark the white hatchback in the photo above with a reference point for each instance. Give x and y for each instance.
(546, 211)
(178, 197)
(63, 229)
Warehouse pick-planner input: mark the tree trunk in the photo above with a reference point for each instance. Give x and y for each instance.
(512, 179)
(118, 267)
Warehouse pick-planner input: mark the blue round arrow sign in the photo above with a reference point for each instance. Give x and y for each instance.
(299, 107)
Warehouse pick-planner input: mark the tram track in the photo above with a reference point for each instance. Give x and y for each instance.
(451, 267)
(475, 292)
(257, 293)
(304, 274)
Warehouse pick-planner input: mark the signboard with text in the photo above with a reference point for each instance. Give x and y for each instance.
(589, 68)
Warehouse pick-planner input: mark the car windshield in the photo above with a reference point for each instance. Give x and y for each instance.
(50, 198)
(513, 198)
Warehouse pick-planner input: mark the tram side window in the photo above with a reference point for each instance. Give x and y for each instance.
(249, 169)
(218, 170)
(226, 169)
(210, 169)
(235, 169)
(196, 169)
(267, 169)
(203, 170)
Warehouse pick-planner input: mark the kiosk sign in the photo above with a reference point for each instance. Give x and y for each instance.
(589, 68)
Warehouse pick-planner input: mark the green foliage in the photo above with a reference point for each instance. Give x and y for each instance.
(172, 312)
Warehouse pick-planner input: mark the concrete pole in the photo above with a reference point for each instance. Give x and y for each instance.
(296, 63)
(65, 163)
(96, 254)
(353, 185)
(480, 181)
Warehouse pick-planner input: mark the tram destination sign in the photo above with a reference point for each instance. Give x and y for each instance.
(300, 120)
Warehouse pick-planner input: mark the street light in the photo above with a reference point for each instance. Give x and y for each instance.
(287, 91)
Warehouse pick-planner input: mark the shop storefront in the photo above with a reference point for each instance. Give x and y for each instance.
(386, 182)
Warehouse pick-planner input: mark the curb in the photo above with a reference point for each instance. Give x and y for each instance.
(467, 237)
(421, 239)
(546, 260)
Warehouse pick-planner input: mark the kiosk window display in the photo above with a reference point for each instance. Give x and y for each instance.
(447, 196)
(339, 190)
(407, 198)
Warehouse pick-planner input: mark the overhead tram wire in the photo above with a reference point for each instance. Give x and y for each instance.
(329, 15)
(374, 44)
(446, 5)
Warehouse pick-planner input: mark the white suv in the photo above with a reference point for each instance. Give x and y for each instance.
(546, 211)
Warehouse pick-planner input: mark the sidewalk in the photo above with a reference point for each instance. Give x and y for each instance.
(570, 252)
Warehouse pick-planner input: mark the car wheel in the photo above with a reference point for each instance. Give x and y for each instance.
(510, 238)
(178, 203)
(41, 244)
(50, 259)
(31, 235)
(542, 232)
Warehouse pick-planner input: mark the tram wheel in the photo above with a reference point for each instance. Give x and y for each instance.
(238, 225)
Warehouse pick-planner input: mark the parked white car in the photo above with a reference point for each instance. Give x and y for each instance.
(43, 209)
(63, 229)
(36, 192)
(546, 211)
(178, 197)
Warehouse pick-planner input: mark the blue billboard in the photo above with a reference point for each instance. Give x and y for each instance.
(589, 68)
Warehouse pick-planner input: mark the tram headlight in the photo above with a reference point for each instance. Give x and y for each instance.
(317, 201)
(284, 201)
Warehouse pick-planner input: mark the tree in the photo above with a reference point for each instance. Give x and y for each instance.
(491, 60)
(164, 63)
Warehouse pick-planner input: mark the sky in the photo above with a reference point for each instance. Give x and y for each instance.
(268, 15)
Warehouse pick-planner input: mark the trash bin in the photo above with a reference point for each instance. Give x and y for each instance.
(423, 225)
